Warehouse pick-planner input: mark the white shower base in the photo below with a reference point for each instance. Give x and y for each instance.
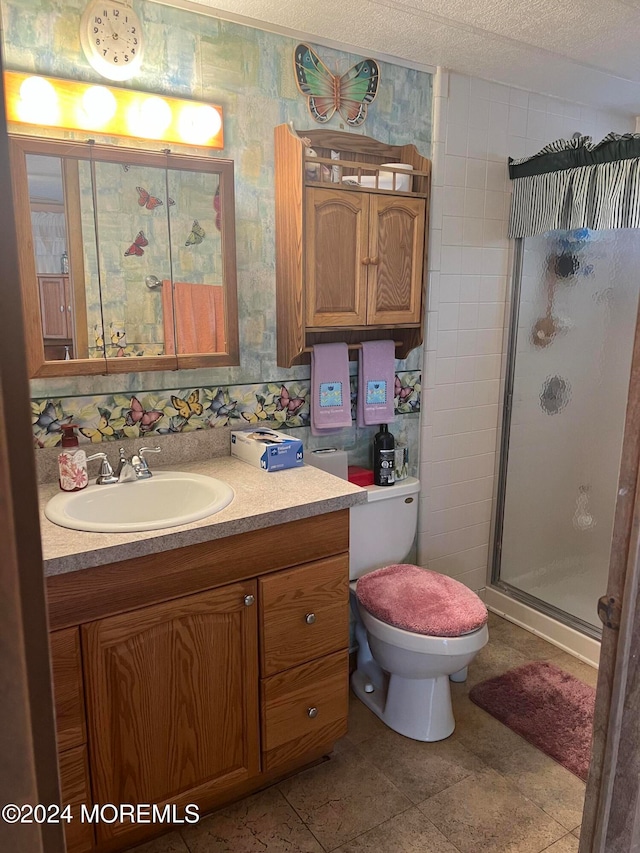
(572, 584)
(569, 640)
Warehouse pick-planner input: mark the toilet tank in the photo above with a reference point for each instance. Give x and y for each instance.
(381, 532)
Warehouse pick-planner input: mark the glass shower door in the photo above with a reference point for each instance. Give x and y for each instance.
(564, 419)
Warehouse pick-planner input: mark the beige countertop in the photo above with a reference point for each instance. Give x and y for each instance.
(262, 499)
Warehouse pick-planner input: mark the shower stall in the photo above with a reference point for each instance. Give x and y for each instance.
(573, 316)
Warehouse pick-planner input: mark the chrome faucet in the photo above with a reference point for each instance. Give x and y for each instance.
(128, 470)
(125, 472)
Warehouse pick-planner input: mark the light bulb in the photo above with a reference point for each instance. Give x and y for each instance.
(97, 107)
(38, 102)
(198, 123)
(149, 119)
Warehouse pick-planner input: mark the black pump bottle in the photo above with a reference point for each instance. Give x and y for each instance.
(384, 457)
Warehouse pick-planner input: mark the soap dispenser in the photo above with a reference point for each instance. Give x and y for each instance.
(72, 462)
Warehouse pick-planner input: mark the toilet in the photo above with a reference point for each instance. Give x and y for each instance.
(415, 629)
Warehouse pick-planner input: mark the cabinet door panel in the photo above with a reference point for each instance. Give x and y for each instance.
(336, 251)
(54, 304)
(67, 687)
(173, 698)
(397, 259)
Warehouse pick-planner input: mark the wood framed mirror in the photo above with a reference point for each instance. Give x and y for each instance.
(127, 258)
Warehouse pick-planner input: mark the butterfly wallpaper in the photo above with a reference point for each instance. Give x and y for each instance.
(110, 417)
(350, 93)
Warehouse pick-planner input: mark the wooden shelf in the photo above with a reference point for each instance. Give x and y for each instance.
(358, 155)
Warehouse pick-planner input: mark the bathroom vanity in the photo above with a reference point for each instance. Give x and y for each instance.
(198, 664)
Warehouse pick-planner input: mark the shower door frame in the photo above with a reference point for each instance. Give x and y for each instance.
(496, 581)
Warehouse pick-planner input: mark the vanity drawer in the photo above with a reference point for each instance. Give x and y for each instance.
(304, 708)
(67, 688)
(74, 788)
(304, 613)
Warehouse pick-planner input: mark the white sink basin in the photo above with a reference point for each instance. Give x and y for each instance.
(167, 499)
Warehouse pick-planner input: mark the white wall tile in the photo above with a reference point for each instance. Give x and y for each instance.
(518, 97)
(470, 288)
(472, 232)
(479, 113)
(451, 230)
(451, 260)
(477, 143)
(473, 203)
(449, 288)
(466, 368)
(448, 316)
(445, 371)
(455, 171)
(447, 344)
(517, 125)
(457, 138)
(468, 316)
(453, 201)
(497, 176)
(476, 174)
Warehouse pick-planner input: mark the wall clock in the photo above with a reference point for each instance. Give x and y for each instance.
(112, 39)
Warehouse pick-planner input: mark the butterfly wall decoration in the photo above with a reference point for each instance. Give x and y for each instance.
(197, 234)
(137, 415)
(188, 407)
(287, 403)
(102, 430)
(136, 248)
(145, 199)
(349, 93)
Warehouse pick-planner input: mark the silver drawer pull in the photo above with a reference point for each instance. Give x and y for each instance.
(249, 600)
(312, 713)
(310, 618)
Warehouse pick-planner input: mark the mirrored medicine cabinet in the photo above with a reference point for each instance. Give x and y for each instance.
(127, 258)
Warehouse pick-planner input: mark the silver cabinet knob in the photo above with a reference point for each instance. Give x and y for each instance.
(312, 713)
(249, 600)
(310, 618)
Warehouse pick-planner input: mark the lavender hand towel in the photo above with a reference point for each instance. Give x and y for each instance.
(376, 381)
(330, 388)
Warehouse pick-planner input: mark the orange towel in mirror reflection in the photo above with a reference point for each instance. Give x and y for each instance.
(199, 317)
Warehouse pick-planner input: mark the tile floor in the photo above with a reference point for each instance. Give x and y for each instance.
(483, 790)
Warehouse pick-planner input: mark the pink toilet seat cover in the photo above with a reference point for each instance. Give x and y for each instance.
(421, 601)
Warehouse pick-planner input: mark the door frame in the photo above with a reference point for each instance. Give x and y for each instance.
(29, 764)
(611, 819)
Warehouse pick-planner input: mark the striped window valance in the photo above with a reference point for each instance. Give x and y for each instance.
(577, 184)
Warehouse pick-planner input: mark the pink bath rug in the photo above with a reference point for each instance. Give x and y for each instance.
(546, 706)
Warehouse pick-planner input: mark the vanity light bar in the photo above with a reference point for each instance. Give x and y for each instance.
(50, 102)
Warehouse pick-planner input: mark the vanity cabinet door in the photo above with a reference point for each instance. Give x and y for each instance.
(396, 250)
(172, 694)
(336, 256)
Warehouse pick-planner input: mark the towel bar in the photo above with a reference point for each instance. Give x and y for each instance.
(353, 346)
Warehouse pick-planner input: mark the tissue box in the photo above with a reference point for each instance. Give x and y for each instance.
(267, 448)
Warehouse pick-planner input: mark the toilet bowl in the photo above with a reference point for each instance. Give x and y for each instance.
(403, 672)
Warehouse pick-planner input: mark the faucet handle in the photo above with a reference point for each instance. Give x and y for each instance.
(140, 463)
(144, 450)
(106, 475)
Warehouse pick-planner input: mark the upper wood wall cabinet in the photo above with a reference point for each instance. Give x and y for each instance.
(350, 259)
(127, 258)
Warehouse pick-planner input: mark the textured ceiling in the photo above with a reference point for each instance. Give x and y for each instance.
(582, 50)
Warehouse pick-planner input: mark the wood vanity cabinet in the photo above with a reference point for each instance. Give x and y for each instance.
(208, 673)
(350, 259)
